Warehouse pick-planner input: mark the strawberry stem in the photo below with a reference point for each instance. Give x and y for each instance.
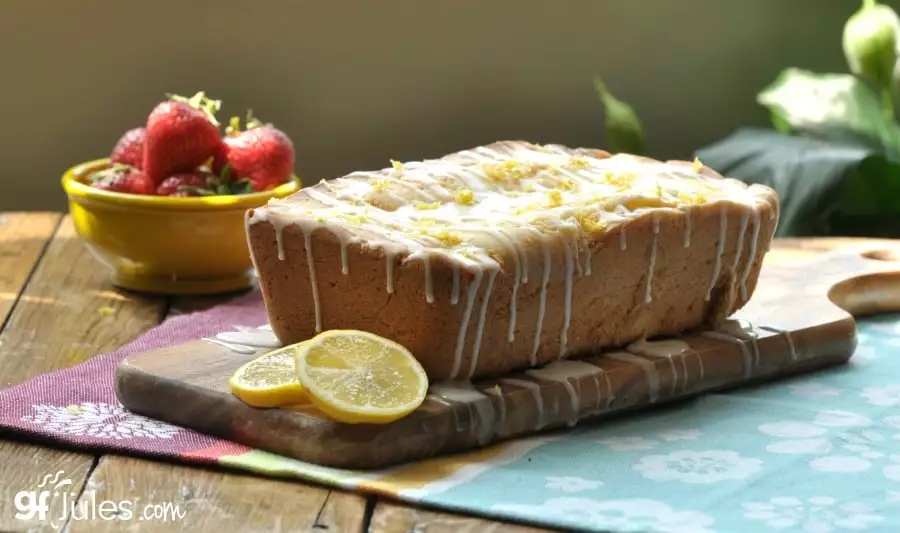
(252, 122)
(234, 127)
(202, 103)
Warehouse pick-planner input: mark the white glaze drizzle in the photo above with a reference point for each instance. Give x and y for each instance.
(471, 294)
(454, 294)
(646, 366)
(744, 330)
(564, 372)
(688, 227)
(501, 429)
(279, 244)
(745, 352)
(307, 243)
(567, 301)
(753, 243)
(542, 303)
(245, 340)
(483, 423)
(389, 271)
(429, 283)
(787, 335)
(720, 248)
(536, 393)
(740, 243)
(479, 331)
(345, 266)
(665, 349)
(648, 292)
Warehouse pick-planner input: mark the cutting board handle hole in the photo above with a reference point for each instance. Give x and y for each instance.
(890, 254)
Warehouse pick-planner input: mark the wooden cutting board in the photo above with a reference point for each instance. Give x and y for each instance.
(790, 326)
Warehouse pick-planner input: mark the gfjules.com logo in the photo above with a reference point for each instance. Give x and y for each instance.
(57, 491)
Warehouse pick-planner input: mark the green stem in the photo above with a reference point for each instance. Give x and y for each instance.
(887, 100)
(868, 4)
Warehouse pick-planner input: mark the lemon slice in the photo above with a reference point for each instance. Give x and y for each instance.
(356, 377)
(270, 380)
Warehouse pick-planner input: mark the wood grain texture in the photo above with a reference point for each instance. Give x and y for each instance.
(66, 313)
(391, 517)
(23, 467)
(791, 327)
(23, 237)
(208, 500)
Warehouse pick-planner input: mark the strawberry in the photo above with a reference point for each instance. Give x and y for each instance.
(121, 178)
(200, 183)
(262, 154)
(181, 135)
(129, 150)
(184, 184)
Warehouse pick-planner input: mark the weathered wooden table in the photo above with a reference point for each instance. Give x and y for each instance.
(47, 279)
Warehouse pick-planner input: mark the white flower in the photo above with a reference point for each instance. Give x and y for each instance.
(98, 420)
(624, 444)
(887, 396)
(679, 434)
(841, 419)
(853, 449)
(819, 514)
(571, 484)
(813, 390)
(626, 516)
(864, 354)
(892, 471)
(709, 466)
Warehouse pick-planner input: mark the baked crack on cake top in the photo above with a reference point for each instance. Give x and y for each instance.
(517, 210)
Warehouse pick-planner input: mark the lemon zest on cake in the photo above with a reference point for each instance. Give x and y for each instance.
(464, 197)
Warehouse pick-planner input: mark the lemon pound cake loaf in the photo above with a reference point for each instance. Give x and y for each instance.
(512, 255)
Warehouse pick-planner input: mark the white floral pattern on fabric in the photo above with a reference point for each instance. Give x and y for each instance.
(887, 396)
(621, 516)
(571, 483)
(627, 443)
(812, 389)
(841, 441)
(818, 514)
(98, 420)
(624, 444)
(698, 467)
(679, 434)
(864, 354)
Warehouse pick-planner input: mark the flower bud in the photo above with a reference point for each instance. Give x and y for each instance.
(871, 36)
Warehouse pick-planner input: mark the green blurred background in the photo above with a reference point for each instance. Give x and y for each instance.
(356, 83)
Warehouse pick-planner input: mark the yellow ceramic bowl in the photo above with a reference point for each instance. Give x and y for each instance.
(159, 244)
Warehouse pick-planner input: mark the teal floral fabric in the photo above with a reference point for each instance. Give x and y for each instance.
(817, 453)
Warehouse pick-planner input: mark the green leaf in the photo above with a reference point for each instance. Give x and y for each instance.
(836, 107)
(825, 188)
(242, 187)
(623, 127)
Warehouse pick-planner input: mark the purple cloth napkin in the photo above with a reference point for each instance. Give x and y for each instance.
(77, 407)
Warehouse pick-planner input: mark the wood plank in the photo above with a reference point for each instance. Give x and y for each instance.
(69, 312)
(392, 517)
(210, 500)
(66, 313)
(22, 468)
(23, 238)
